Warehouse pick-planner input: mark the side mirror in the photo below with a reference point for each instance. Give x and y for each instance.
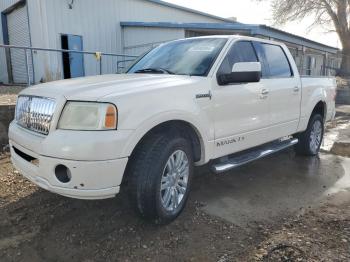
(245, 72)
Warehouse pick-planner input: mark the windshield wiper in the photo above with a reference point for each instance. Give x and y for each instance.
(155, 70)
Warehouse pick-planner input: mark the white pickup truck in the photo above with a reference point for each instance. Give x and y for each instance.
(226, 100)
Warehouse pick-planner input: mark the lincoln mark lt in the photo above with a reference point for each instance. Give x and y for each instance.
(223, 100)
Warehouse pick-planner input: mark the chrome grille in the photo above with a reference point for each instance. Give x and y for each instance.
(35, 113)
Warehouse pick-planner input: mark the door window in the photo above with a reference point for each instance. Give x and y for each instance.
(242, 51)
(278, 63)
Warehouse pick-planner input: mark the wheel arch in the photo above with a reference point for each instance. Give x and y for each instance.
(186, 129)
(175, 126)
(189, 129)
(320, 108)
(318, 105)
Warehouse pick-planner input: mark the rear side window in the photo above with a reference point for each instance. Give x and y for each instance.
(242, 51)
(277, 60)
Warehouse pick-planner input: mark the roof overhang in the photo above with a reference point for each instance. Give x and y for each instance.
(254, 30)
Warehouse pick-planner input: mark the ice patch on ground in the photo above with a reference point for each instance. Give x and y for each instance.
(343, 184)
(332, 135)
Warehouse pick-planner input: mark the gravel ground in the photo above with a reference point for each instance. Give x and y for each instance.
(36, 225)
(322, 234)
(8, 94)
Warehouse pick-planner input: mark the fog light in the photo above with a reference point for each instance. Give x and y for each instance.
(63, 174)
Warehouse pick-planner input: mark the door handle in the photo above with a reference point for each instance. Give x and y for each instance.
(296, 89)
(264, 92)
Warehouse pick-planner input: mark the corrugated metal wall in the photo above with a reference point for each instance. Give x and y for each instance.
(18, 33)
(4, 4)
(98, 22)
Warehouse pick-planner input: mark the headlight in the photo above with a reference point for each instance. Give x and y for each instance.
(88, 116)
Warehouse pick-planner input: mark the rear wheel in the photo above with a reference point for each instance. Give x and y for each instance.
(160, 177)
(310, 140)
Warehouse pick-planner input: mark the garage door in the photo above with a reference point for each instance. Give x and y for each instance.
(18, 34)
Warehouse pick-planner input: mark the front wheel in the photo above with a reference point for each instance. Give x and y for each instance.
(161, 172)
(310, 140)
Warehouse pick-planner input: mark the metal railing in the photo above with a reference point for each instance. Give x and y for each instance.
(322, 71)
(121, 64)
(119, 60)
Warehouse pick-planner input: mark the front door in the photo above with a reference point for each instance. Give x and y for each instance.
(241, 110)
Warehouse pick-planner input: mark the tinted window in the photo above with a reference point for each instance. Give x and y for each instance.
(277, 61)
(242, 51)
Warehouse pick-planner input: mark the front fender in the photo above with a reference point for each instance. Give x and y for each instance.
(150, 123)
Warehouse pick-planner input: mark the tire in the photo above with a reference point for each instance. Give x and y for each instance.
(149, 174)
(310, 140)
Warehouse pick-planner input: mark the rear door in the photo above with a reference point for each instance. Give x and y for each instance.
(283, 90)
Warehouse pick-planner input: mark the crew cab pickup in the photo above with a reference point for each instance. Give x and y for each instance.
(226, 100)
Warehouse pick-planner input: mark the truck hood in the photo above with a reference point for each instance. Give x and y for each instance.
(94, 88)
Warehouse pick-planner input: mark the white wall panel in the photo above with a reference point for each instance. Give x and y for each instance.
(98, 22)
(145, 11)
(4, 4)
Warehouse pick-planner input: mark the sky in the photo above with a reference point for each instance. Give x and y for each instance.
(252, 12)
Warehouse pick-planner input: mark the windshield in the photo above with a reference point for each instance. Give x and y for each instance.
(184, 57)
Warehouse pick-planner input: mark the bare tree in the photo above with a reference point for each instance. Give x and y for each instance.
(334, 13)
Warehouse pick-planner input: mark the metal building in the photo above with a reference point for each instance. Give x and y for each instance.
(120, 27)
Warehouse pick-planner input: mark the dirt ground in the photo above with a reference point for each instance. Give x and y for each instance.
(300, 217)
(8, 94)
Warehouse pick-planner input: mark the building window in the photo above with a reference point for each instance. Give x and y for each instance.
(310, 65)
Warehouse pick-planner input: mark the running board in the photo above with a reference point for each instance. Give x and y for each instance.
(250, 156)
